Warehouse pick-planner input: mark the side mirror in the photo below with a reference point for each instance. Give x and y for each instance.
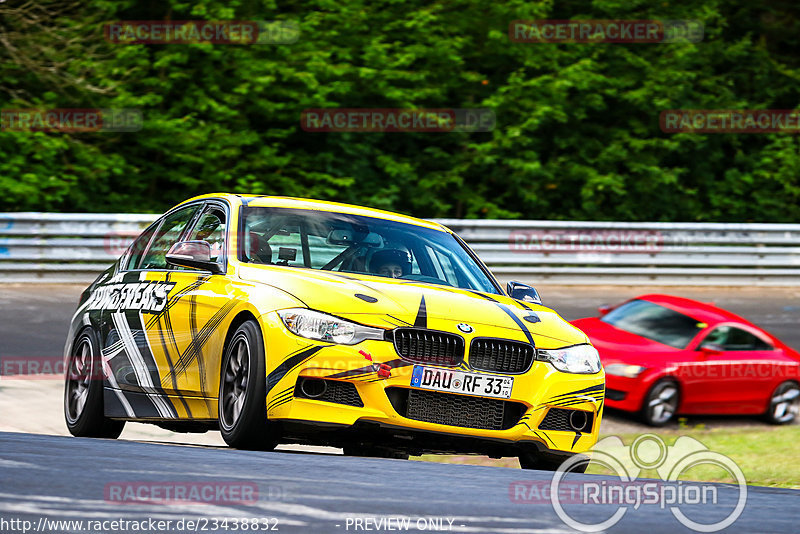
(710, 349)
(193, 254)
(604, 309)
(523, 292)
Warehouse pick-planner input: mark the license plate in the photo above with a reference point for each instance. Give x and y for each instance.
(461, 382)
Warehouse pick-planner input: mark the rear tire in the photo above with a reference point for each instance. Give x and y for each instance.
(83, 391)
(784, 404)
(242, 392)
(661, 403)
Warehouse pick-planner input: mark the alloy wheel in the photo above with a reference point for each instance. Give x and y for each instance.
(662, 403)
(785, 403)
(79, 378)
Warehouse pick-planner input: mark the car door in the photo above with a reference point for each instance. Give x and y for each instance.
(187, 337)
(737, 365)
(129, 301)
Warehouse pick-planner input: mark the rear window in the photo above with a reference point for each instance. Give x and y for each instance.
(655, 322)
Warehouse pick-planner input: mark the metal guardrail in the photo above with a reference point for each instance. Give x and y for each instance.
(58, 248)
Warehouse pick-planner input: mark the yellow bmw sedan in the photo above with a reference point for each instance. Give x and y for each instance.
(280, 320)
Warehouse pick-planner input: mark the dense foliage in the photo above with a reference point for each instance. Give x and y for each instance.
(577, 134)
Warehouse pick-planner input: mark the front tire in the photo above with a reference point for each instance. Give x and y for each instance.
(661, 403)
(242, 392)
(784, 404)
(83, 391)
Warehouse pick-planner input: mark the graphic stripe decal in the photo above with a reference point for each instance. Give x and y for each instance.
(171, 301)
(422, 315)
(546, 436)
(279, 396)
(139, 366)
(592, 389)
(518, 321)
(398, 319)
(573, 402)
(169, 361)
(287, 365)
(487, 297)
(369, 369)
(173, 377)
(281, 403)
(121, 396)
(200, 338)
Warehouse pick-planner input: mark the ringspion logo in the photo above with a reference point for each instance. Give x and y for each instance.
(628, 493)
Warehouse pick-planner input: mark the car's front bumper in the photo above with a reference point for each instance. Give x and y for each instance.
(627, 394)
(535, 393)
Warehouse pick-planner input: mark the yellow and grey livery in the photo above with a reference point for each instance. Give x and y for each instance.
(167, 328)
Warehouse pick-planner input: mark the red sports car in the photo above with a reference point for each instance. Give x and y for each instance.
(665, 355)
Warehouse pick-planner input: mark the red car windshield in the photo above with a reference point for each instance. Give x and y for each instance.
(654, 322)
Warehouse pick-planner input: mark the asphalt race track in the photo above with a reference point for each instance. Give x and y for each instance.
(60, 478)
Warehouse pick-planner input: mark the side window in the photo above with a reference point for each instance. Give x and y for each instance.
(138, 247)
(741, 340)
(211, 229)
(735, 339)
(716, 336)
(169, 232)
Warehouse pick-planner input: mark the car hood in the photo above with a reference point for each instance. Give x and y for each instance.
(391, 303)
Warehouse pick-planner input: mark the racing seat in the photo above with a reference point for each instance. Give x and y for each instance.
(259, 250)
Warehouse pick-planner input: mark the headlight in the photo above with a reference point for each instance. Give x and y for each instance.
(323, 327)
(623, 369)
(580, 359)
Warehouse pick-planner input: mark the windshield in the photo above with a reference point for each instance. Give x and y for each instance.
(655, 322)
(354, 244)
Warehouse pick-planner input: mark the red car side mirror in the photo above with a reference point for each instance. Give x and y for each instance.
(711, 349)
(604, 309)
